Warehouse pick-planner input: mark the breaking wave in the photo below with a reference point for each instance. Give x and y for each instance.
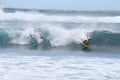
(57, 38)
(59, 30)
(42, 17)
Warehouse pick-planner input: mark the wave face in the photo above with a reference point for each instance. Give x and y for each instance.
(59, 28)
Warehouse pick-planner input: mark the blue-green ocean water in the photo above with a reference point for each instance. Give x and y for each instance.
(59, 55)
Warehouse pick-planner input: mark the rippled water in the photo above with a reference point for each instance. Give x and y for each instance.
(53, 65)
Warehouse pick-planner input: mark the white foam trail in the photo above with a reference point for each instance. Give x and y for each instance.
(35, 16)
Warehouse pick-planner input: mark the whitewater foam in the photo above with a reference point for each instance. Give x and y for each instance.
(37, 16)
(50, 65)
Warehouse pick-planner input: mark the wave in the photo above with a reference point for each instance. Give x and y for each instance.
(57, 39)
(41, 17)
(23, 28)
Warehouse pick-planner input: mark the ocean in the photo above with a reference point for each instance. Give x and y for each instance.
(59, 55)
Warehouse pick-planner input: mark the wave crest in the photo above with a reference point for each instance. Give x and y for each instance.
(41, 17)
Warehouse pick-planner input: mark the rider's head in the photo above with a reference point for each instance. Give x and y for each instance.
(90, 34)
